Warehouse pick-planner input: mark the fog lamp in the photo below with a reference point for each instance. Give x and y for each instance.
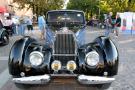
(71, 66)
(56, 65)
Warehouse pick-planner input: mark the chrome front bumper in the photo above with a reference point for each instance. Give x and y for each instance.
(44, 79)
(83, 79)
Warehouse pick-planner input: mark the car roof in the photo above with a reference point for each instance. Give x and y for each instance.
(66, 10)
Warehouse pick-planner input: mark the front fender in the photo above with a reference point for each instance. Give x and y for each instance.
(111, 54)
(44, 68)
(109, 48)
(109, 57)
(85, 68)
(17, 53)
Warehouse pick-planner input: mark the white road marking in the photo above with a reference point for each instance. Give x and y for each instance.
(126, 41)
(4, 58)
(4, 77)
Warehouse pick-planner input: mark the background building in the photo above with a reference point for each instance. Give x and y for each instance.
(12, 8)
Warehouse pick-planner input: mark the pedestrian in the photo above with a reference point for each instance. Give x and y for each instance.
(117, 24)
(42, 25)
(21, 25)
(29, 24)
(15, 24)
(8, 25)
(108, 22)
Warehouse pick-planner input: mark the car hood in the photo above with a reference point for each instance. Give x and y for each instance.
(79, 35)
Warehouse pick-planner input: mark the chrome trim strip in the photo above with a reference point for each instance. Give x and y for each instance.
(67, 32)
(64, 55)
(41, 79)
(64, 75)
(83, 79)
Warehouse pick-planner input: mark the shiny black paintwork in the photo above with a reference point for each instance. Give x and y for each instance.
(19, 57)
(109, 57)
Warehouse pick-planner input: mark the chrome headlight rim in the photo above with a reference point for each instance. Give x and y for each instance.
(38, 54)
(89, 54)
(73, 62)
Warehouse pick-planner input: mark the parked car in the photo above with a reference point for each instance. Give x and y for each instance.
(4, 37)
(93, 22)
(64, 53)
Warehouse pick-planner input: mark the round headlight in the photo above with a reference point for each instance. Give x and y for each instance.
(71, 65)
(36, 58)
(92, 58)
(56, 65)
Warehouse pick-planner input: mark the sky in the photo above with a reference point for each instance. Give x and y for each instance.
(66, 1)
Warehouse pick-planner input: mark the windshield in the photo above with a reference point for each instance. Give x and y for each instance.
(69, 19)
(59, 16)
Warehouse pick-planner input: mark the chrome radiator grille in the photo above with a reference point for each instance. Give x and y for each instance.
(64, 44)
(64, 47)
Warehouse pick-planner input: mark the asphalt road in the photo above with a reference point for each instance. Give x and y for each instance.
(125, 79)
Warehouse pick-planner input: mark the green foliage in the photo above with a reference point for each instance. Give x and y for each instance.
(117, 5)
(40, 6)
(91, 7)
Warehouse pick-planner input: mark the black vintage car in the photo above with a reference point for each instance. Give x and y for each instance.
(4, 37)
(64, 53)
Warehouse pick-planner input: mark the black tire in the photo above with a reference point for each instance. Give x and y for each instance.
(22, 86)
(103, 86)
(29, 86)
(5, 39)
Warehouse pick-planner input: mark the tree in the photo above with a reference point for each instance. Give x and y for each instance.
(40, 6)
(117, 5)
(90, 7)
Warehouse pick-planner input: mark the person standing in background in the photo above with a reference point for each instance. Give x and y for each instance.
(108, 23)
(21, 25)
(8, 25)
(117, 24)
(8, 22)
(29, 24)
(15, 24)
(42, 25)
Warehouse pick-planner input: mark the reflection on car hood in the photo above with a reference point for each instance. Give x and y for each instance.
(64, 30)
(79, 35)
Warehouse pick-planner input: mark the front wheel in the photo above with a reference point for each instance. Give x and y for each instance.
(103, 86)
(22, 86)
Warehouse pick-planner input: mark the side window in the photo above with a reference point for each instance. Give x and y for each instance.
(1, 26)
